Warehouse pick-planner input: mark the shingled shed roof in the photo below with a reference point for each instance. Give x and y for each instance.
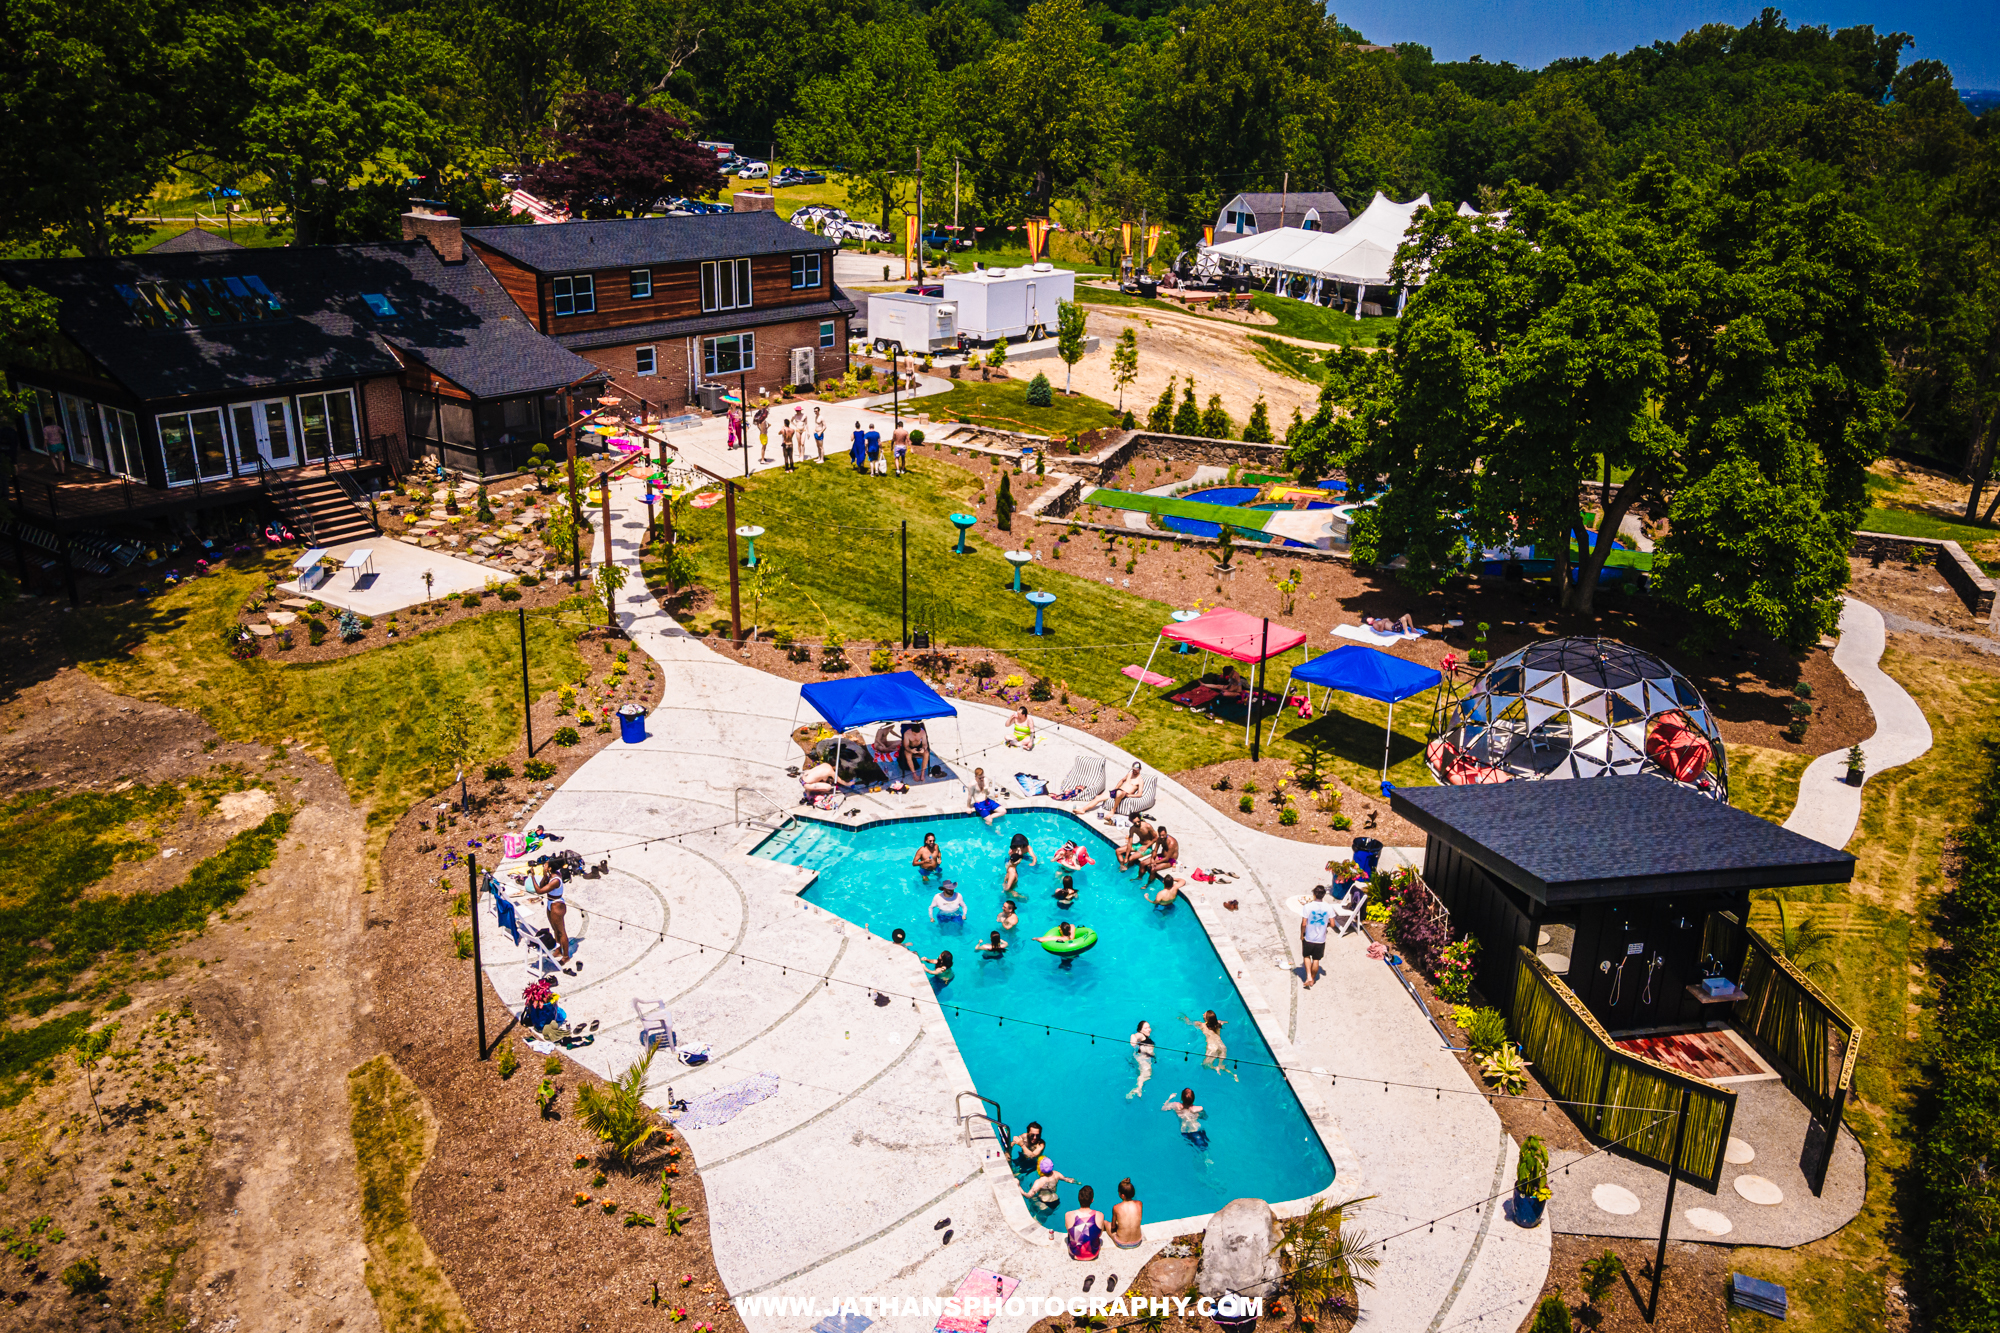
(565, 247)
(1616, 837)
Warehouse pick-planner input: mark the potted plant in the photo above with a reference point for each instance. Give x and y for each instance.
(1531, 1183)
(1477, 657)
(1857, 766)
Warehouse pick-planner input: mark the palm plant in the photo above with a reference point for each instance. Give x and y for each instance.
(1807, 944)
(1326, 1261)
(615, 1112)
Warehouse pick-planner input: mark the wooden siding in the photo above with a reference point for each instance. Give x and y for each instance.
(676, 292)
(516, 281)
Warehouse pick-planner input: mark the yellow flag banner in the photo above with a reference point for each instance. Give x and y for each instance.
(1125, 230)
(909, 243)
(1152, 238)
(1036, 227)
(1208, 236)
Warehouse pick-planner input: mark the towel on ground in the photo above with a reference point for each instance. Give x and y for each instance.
(1197, 695)
(706, 499)
(1031, 785)
(725, 1104)
(980, 1284)
(1140, 674)
(1362, 634)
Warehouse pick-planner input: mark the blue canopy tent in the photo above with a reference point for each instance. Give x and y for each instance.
(895, 696)
(1370, 673)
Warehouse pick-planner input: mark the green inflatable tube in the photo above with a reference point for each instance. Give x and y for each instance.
(1085, 938)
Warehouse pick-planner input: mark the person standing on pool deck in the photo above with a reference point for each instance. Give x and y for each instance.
(1142, 1055)
(928, 857)
(1312, 932)
(946, 905)
(1211, 1031)
(819, 435)
(1190, 1117)
(1126, 1217)
(786, 435)
(763, 420)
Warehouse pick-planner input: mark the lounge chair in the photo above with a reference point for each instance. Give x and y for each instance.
(1149, 790)
(656, 1024)
(1085, 780)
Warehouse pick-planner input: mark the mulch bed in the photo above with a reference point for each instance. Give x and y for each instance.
(1693, 1292)
(1370, 814)
(496, 1199)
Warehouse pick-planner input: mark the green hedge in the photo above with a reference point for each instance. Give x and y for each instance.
(1958, 1142)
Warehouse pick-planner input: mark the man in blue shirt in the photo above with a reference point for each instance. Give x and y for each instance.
(874, 450)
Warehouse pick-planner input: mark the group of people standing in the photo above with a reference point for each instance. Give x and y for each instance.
(794, 434)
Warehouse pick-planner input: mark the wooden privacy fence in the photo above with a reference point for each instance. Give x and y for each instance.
(1806, 1036)
(1615, 1093)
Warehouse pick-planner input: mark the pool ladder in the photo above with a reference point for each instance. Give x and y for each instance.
(1001, 1134)
(774, 820)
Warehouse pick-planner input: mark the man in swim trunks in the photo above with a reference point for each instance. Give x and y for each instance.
(981, 801)
(928, 857)
(1312, 932)
(1009, 918)
(1138, 844)
(946, 905)
(1170, 889)
(1166, 851)
(1126, 788)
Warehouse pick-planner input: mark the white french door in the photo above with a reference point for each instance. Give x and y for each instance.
(263, 431)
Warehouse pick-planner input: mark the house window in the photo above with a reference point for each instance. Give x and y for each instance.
(121, 437)
(1311, 222)
(575, 294)
(805, 271)
(76, 429)
(1239, 221)
(642, 283)
(39, 416)
(328, 424)
(826, 333)
(192, 440)
(728, 354)
(725, 284)
(645, 361)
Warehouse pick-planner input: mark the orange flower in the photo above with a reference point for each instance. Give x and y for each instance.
(580, 1200)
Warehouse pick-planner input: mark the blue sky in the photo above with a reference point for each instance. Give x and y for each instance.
(1964, 35)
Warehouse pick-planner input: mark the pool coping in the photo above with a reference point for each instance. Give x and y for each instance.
(991, 1162)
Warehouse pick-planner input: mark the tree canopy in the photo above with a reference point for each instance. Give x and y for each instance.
(615, 159)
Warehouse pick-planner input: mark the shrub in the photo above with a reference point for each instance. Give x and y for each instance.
(1041, 691)
(499, 772)
(531, 580)
(1040, 392)
(1600, 1275)
(1804, 690)
(461, 943)
(84, 1277)
(1531, 1174)
(1421, 930)
(510, 593)
(1288, 816)
(1505, 1070)
(350, 627)
(1485, 1028)
(984, 669)
(881, 660)
(566, 737)
(916, 438)
(316, 630)
(469, 598)
(538, 770)
(1246, 804)
(1251, 787)
(616, 1113)
(1551, 1316)
(508, 1061)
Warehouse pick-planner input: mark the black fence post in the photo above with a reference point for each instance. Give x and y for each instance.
(1667, 1213)
(478, 972)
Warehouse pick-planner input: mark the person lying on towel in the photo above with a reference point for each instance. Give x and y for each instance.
(1384, 626)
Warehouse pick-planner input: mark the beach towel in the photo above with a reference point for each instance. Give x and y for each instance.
(1362, 634)
(980, 1285)
(1031, 785)
(1145, 677)
(706, 500)
(725, 1104)
(503, 911)
(1197, 695)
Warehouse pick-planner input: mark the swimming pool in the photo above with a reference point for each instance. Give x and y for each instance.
(1148, 963)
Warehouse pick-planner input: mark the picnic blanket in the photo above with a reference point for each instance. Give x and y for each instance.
(1145, 677)
(725, 1104)
(981, 1284)
(1362, 634)
(706, 500)
(1196, 695)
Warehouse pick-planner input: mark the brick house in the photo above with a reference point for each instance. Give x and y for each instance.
(664, 304)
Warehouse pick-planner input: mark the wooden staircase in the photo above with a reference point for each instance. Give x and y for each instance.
(320, 510)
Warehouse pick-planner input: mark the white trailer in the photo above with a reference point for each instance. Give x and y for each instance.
(1020, 302)
(916, 323)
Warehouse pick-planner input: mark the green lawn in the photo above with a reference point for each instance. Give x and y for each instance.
(1908, 523)
(1301, 319)
(1003, 404)
(1301, 363)
(369, 713)
(1088, 295)
(250, 235)
(1098, 628)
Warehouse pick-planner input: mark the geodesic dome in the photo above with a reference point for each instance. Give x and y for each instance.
(1577, 708)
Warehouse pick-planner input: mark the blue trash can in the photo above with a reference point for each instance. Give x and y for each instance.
(631, 724)
(1367, 851)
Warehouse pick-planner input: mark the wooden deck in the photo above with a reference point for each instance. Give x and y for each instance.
(83, 497)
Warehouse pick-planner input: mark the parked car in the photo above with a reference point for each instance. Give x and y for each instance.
(851, 230)
(688, 206)
(798, 176)
(754, 170)
(944, 240)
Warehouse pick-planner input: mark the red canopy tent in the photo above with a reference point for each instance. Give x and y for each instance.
(1233, 634)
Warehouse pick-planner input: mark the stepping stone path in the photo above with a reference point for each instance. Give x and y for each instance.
(296, 604)
(1738, 1153)
(1760, 1191)
(1615, 1199)
(261, 631)
(283, 617)
(429, 542)
(1710, 1221)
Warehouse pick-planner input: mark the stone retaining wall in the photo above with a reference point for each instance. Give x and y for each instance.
(1949, 558)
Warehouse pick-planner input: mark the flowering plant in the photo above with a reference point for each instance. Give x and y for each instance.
(1454, 970)
(539, 992)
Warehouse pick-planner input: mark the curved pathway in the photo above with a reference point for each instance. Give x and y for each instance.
(1828, 809)
(837, 1184)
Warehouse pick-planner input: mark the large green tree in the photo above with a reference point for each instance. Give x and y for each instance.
(1047, 105)
(873, 115)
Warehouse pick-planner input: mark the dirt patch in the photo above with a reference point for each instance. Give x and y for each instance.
(382, 630)
(1693, 1292)
(1919, 594)
(1370, 814)
(1216, 354)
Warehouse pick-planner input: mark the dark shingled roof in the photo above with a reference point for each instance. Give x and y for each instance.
(1566, 840)
(725, 321)
(1278, 209)
(194, 238)
(566, 247)
(454, 317)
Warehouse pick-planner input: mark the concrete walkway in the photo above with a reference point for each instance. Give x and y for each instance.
(707, 442)
(838, 1183)
(1828, 809)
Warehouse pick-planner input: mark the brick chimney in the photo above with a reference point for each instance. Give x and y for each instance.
(428, 220)
(755, 201)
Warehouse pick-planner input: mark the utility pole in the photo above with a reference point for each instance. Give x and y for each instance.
(1263, 651)
(920, 215)
(735, 592)
(1285, 199)
(478, 972)
(906, 584)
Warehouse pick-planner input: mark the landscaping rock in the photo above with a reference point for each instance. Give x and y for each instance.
(1239, 1250)
(297, 603)
(261, 631)
(285, 617)
(430, 542)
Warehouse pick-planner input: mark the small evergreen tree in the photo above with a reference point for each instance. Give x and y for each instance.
(1298, 424)
(1161, 418)
(1125, 362)
(1258, 431)
(1130, 422)
(1003, 505)
(1187, 417)
(1040, 392)
(1215, 423)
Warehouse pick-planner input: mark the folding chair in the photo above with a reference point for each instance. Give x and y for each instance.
(656, 1024)
(1347, 914)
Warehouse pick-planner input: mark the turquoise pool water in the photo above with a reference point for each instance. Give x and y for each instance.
(1149, 963)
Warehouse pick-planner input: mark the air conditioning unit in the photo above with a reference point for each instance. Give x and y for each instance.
(802, 366)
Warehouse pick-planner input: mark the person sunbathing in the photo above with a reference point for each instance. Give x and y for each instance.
(1124, 790)
(886, 753)
(1382, 625)
(1021, 729)
(819, 780)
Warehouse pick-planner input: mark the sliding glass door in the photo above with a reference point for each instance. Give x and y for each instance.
(328, 425)
(194, 445)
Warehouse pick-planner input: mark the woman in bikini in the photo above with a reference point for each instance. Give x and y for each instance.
(551, 887)
(1021, 729)
(1142, 1055)
(928, 857)
(1211, 1031)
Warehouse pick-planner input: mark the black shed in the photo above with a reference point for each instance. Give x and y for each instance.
(1609, 880)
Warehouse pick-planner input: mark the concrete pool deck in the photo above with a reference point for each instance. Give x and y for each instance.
(835, 1185)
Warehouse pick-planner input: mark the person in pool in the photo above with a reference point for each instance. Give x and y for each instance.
(1190, 1117)
(1009, 918)
(928, 857)
(1142, 1055)
(1041, 1191)
(1020, 851)
(1065, 893)
(1029, 1146)
(1170, 889)
(946, 905)
(900, 936)
(1072, 856)
(994, 947)
(939, 968)
(1211, 1032)
(980, 800)
(1062, 934)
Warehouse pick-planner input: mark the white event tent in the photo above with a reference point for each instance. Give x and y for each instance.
(1360, 253)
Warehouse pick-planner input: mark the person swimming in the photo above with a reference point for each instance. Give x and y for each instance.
(994, 947)
(1211, 1031)
(1071, 856)
(1065, 893)
(1019, 852)
(1029, 1146)
(1142, 1055)
(929, 857)
(1009, 918)
(1190, 1117)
